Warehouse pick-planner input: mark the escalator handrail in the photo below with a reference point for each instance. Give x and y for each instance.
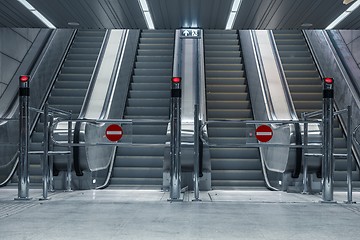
(108, 102)
(32, 73)
(266, 92)
(76, 136)
(290, 103)
(284, 84)
(347, 76)
(267, 100)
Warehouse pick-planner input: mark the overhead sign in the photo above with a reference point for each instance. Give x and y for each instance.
(263, 133)
(114, 132)
(190, 33)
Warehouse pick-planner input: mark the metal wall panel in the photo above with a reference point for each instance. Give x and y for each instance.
(172, 14)
(14, 14)
(92, 13)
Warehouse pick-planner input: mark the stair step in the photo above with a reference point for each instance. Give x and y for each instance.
(227, 96)
(228, 104)
(239, 164)
(226, 88)
(136, 161)
(136, 181)
(148, 102)
(229, 113)
(236, 183)
(149, 94)
(225, 80)
(152, 86)
(237, 174)
(222, 152)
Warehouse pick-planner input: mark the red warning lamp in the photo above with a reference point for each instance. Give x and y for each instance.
(329, 80)
(24, 78)
(176, 79)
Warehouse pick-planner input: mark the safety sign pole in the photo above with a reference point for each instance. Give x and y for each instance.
(175, 141)
(23, 168)
(328, 141)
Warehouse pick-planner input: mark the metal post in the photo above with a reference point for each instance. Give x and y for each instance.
(23, 168)
(51, 160)
(46, 154)
(349, 157)
(306, 140)
(68, 165)
(175, 141)
(196, 152)
(328, 141)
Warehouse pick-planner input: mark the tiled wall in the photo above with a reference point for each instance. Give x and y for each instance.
(352, 40)
(14, 44)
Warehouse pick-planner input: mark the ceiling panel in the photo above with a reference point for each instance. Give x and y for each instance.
(14, 14)
(92, 13)
(352, 21)
(287, 14)
(172, 14)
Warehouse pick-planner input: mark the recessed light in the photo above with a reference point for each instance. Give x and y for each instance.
(306, 25)
(73, 23)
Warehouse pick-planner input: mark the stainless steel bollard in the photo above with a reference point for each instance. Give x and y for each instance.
(175, 141)
(68, 164)
(305, 167)
(46, 154)
(349, 157)
(328, 141)
(23, 168)
(196, 153)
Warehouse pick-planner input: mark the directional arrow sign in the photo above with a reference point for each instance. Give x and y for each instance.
(190, 33)
(263, 133)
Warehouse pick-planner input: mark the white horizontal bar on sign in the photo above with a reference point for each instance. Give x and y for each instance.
(264, 133)
(113, 132)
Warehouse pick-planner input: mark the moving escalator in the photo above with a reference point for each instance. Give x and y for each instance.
(228, 98)
(69, 90)
(305, 86)
(148, 98)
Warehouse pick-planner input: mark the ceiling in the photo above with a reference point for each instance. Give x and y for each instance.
(172, 14)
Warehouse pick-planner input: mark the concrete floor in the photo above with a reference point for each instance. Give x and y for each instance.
(146, 214)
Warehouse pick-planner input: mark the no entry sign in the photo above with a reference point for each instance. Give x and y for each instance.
(114, 132)
(264, 133)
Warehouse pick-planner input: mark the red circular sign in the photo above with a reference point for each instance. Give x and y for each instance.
(114, 132)
(263, 133)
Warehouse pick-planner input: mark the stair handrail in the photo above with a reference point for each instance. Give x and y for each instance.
(109, 99)
(290, 104)
(84, 106)
(52, 81)
(285, 85)
(94, 73)
(268, 102)
(328, 38)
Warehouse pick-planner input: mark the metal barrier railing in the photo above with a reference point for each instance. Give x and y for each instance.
(70, 122)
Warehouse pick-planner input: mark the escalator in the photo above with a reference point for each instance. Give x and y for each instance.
(69, 90)
(305, 86)
(148, 98)
(228, 98)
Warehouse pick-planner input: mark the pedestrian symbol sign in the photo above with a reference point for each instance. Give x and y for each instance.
(190, 33)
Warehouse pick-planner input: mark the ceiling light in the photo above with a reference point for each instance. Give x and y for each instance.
(73, 23)
(346, 2)
(146, 11)
(37, 13)
(232, 15)
(306, 25)
(344, 15)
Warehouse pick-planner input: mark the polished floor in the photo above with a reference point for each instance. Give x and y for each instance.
(146, 214)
